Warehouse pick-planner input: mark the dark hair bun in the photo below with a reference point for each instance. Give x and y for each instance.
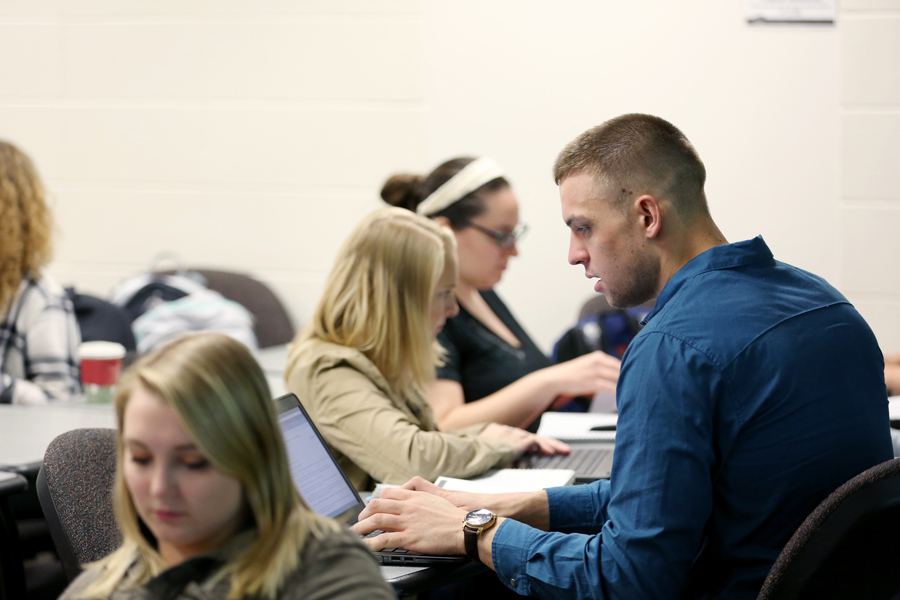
(403, 190)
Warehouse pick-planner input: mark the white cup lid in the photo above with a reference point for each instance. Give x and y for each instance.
(101, 350)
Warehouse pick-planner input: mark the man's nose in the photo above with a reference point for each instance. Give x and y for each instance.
(577, 254)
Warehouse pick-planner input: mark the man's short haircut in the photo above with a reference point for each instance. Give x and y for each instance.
(636, 154)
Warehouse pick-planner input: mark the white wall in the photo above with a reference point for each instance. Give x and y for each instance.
(870, 163)
(254, 135)
(246, 135)
(518, 80)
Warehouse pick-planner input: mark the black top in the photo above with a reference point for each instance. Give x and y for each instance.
(479, 360)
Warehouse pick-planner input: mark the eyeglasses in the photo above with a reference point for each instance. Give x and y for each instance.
(503, 239)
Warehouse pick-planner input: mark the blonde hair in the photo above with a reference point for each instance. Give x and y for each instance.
(221, 396)
(378, 295)
(25, 222)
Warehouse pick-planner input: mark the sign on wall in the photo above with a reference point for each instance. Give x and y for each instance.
(790, 11)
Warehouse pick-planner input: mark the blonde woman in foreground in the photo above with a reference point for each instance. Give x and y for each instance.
(360, 366)
(204, 496)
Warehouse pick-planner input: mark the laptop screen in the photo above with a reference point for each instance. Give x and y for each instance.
(322, 483)
(317, 477)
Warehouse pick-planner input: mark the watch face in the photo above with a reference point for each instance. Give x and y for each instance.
(479, 517)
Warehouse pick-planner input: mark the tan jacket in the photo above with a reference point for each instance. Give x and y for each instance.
(374, 432)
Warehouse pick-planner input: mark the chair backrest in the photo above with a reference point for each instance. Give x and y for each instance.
(272, 325)
(12, 574)
(75, 488)
(849, 547)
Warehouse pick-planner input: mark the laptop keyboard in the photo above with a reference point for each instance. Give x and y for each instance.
(391, 550)
(580, 460)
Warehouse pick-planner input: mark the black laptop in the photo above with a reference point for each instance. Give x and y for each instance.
(323, 485)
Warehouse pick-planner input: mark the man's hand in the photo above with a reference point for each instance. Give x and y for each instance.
(417, 521)
(531, 508)
(467, 501)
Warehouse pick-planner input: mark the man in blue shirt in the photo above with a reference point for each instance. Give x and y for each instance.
(754, 390)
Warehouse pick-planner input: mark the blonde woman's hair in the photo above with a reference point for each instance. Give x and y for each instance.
(378, 296)
(25, 222)
(221, 397)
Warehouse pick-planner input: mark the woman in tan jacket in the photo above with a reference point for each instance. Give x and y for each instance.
(360, 366)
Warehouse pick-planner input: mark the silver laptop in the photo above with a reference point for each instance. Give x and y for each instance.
(589, 460)
(323, 485)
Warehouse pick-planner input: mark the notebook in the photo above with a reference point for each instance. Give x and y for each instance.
(577, 427)
(323, 485)
(500, 481)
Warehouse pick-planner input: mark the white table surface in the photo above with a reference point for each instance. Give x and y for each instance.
(276, 385)
(26, 431)
(894, 408)
(273, 359)
(4, 476)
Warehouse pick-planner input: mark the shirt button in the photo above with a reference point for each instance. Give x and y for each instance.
(512, 583)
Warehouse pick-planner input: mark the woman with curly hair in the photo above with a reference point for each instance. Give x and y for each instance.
(39, 335)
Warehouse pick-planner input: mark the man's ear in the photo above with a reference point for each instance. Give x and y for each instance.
(443, 221)
(650, 215)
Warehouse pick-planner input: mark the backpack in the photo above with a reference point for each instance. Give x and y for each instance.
(100, 320)
(162, 307)
(138, 294)
(599, 327)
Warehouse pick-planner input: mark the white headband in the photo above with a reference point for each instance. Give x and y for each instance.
(474, 175)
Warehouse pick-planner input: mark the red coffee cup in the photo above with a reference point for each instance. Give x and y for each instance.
(101, 363)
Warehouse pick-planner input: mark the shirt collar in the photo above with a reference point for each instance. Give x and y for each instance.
(727, 256)
(198, 569)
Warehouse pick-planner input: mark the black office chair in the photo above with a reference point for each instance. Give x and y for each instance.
(849, 547)
(12, 574)
(75, 488)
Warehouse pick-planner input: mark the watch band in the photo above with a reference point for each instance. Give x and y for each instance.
(470, 537)
(473, 524)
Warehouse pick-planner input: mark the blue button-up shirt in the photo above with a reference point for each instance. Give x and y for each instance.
(754, 391)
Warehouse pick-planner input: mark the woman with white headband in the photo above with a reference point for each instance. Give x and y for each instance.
(493, 371)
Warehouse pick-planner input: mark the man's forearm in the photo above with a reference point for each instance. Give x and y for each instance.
(531, 508)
